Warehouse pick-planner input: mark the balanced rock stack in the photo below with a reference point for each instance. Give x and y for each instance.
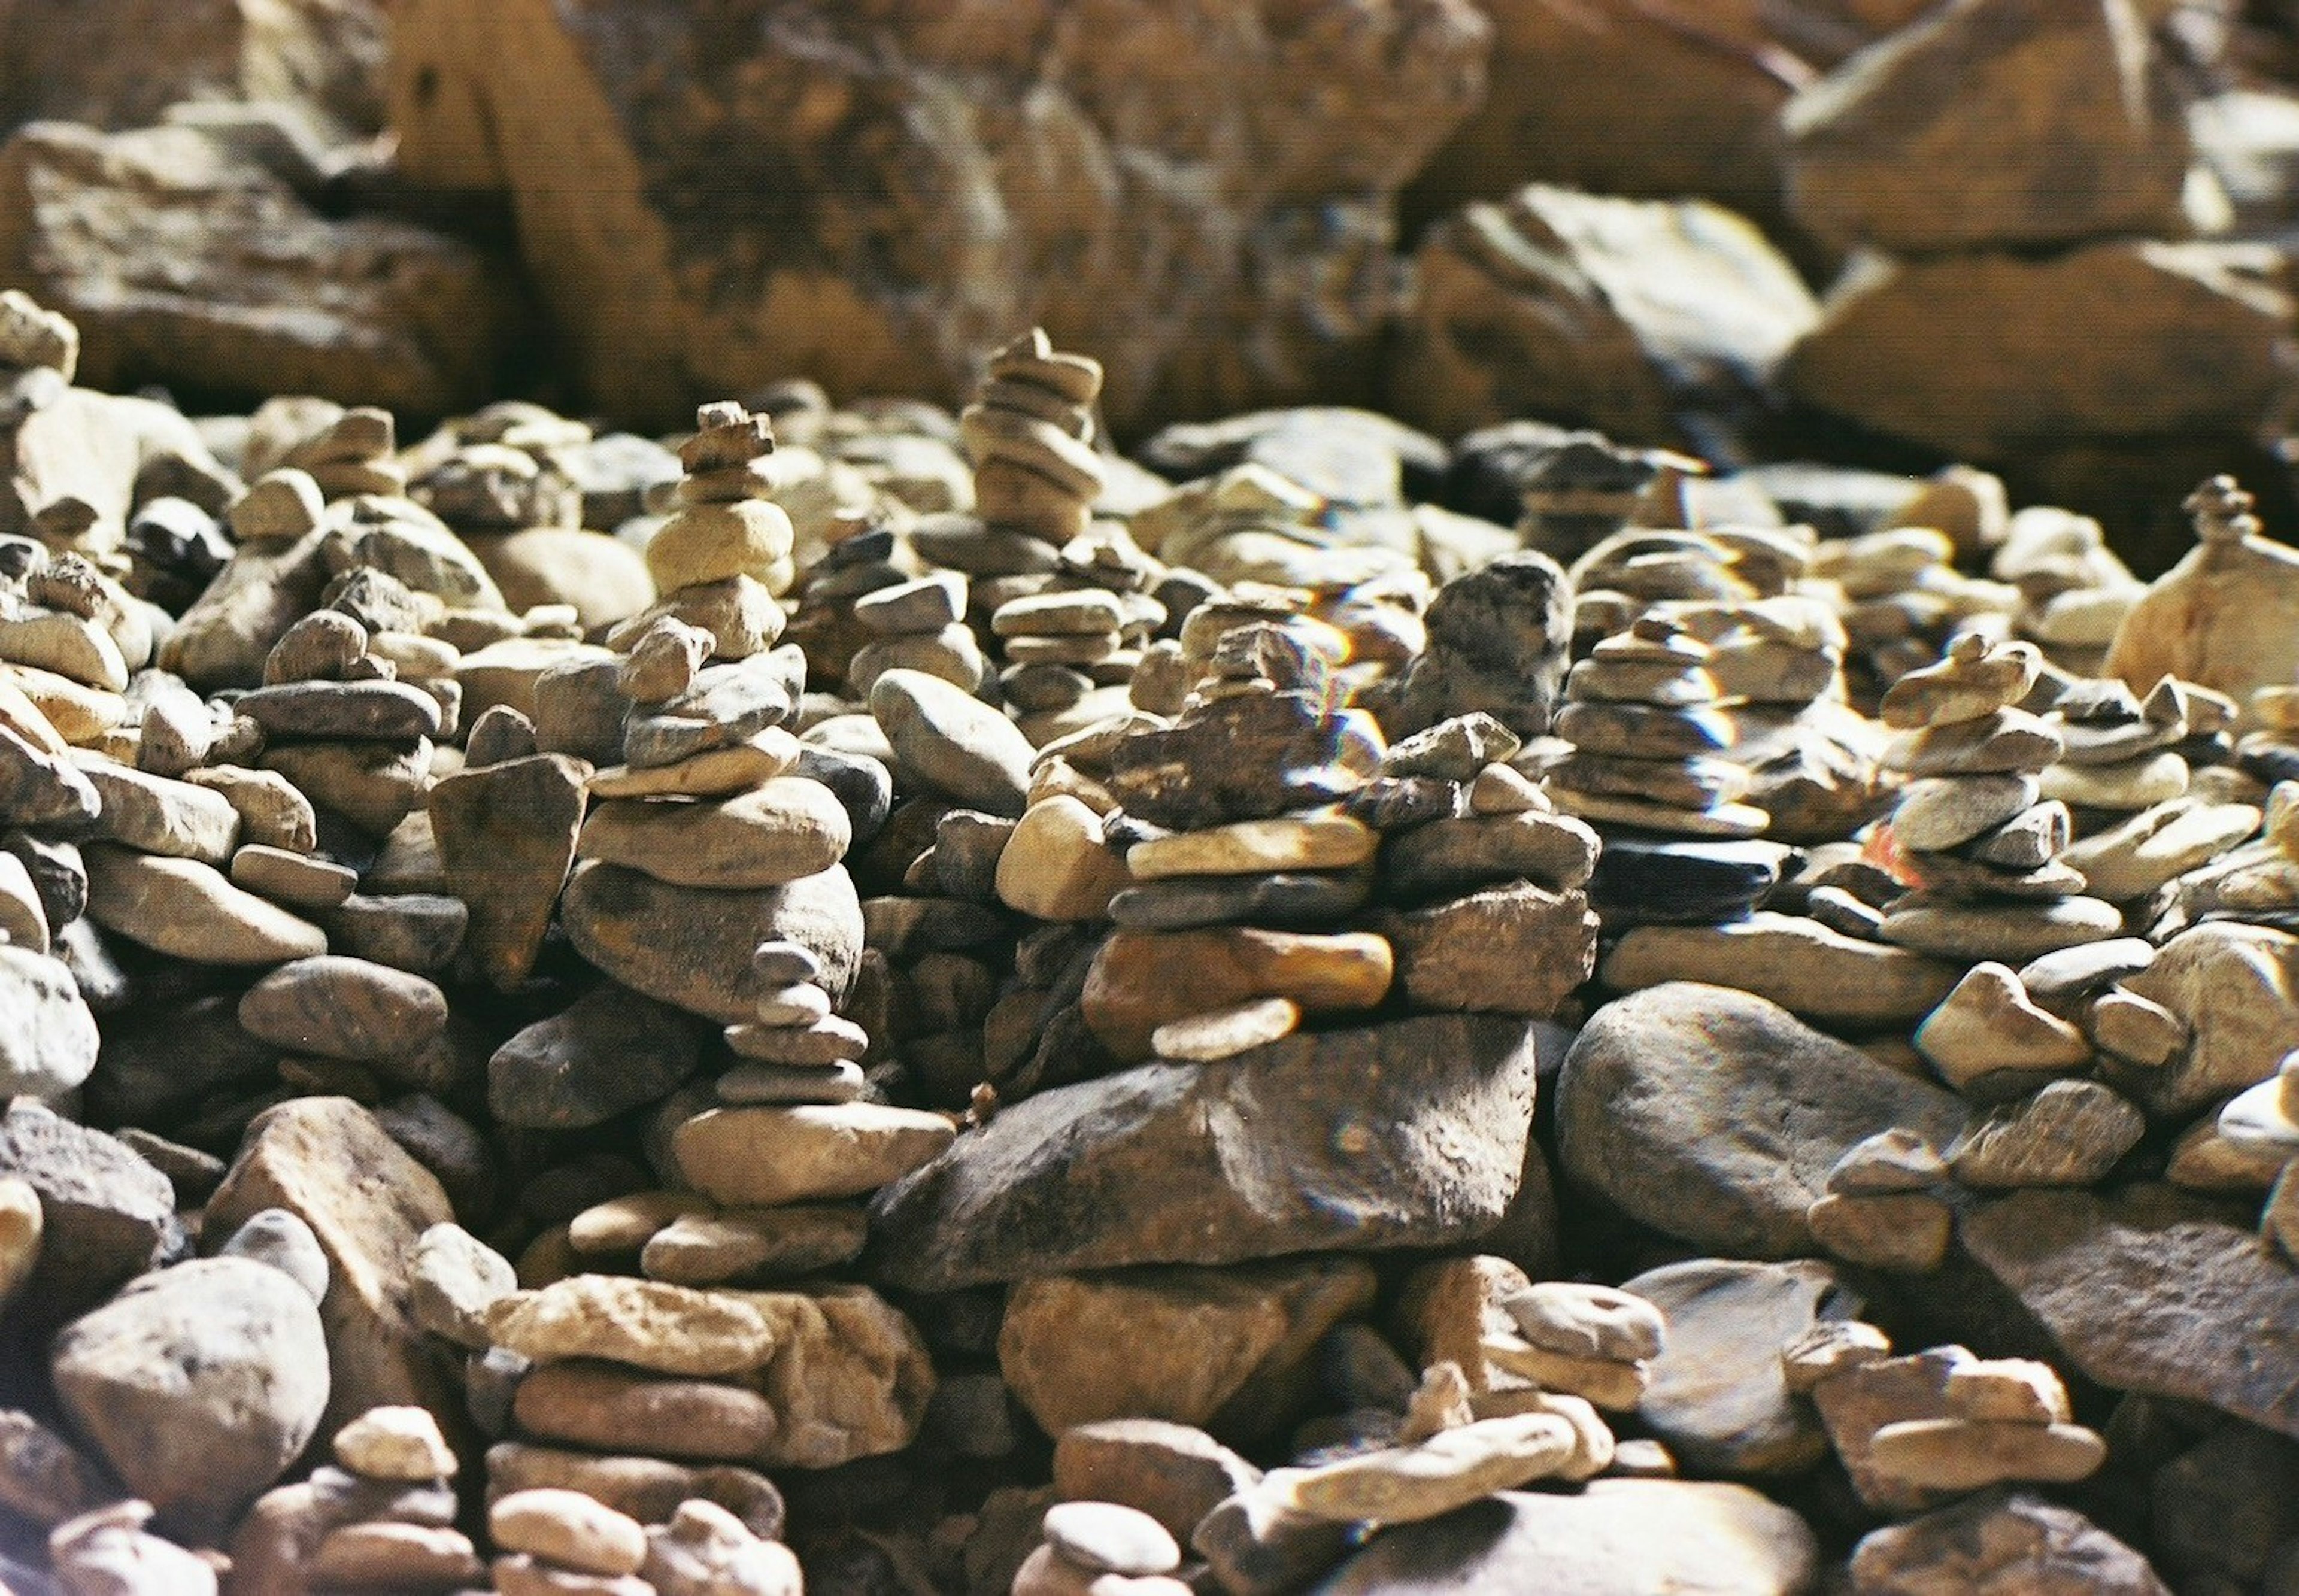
(2121, 754)
(917, 624)
(1104, 1548)
(1972, 825)
(393, 1509)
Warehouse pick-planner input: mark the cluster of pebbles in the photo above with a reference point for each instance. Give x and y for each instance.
(862, 999)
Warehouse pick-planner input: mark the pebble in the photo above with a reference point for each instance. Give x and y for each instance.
(567, 1529)
(1110, 1538)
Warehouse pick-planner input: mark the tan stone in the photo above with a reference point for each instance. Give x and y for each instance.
(645, 1323)
(758, 1157)
(1057, 865)
(1327, 841)
(1958, 1454)
(1140, 980)
(1450, 1469)
(603, 1405)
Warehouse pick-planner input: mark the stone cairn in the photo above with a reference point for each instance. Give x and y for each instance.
(676, 1093)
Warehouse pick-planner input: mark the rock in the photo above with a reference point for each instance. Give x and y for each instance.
(648, 1489)
(1902, 147)
(188, 909)
(506, 835)
(1225, 1032)
(1175, 1472)
(327, 1160)
(1450, 856)
(344, 1009)
(42, 1478)
(787, 827)
(1499, 640)
(705, 1550)
(1058, 864)
(1141, 980)
(1611, 1538)
(155, 815)
(1230, 1350)
(2016, 1541)
(2070, 1133)
(48, 1039)
(1108, 1537)
(149, 241)
(2237, 989)
(795, 1240)
(644, 1323)
(279, 1238)
(2139, 1290)
(1958, 1454)
(1988, 1026)
(106, 1214)
(953, 741)
(603, 578)
(2215, 305)
(1510, 950)
(108, 1550)
(1719, 1397)
(1411, 1133)
(1255, 1542)
(758, 1157)
(1812, 971)
(20, 1233)
(605, 1053)
(1621, 314)
(2218, 617)
(199, 1384)
(568, 1530)
(396, 1443)
(1309, 124)
(1451, 1469)
(691, 947)
(1652, 1113)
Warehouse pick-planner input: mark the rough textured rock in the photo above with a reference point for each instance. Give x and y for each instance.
(1653, 1111)
(184, 262)
(1229, 1349)
(2139, 1290)
(1987, 355)
(1622, 314)
(1993, 122)
(506, 835)
(1616, 1538)
(327, 1160)
(1999, 1542)
(919, 183)
(1411, 1134)
(47, 1037)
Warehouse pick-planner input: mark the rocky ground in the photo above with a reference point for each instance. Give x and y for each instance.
(906, 1002)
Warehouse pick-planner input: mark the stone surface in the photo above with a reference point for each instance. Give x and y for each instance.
(2135, 1288)
(1612, 1538)
(785, 829)
(48, 1040)
(1311, 126)
(758, 1157)
(106, 1213)
(1141, 980)
(1409, 1134)
(608, 1051)
(199, 1383)
(1652, 1111)
(1816, 973)
(182, 907)
(1175, 1473)
(506, 837)
(2014, 1543)
(1510, 950)
(645, 1323)
(1230, 1351)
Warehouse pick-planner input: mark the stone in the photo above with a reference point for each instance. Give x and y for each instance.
(48, 1039)
(1332, 124)
(2137, 1289)
(1610, 1538)
(363, 1556)
(705, 1550)
(42, 1478)
(1510, 950)
(1237, 758)
(648, 1489)
(1230, 1350)
(1058, 864)
(793, 1240)
(1498, 640)
(1648, 881)
(108, 1550)
(1225, 1032)
(1275, 901)
(1998, 314)
(1410, 1132)
(396, 1443)
(20, 1233)
(506, 835)
(1254, 1541)
(145, 239)
(2070, 1133)
(344, 1009)
(381, 711)
(2236, 988)
(953, 741)
(271, 811)
(188, 909)
(199, 1383)
(1176, 1474)
(282, 1240)
(1651, 1112)
(1111, 1538)
(2009, 932)
(1987, 1025)
(691, 947)
(372, 785)
(1450, 1469)
(328, 1161)
(296, 880)
(2016, 1542)
(2139, 856)
(568, 1530)
(1588, 1321)
(1719, 1396)
(104, 1214)
(1941, 812)
(1958, 1454)
(605, 1053)
(644, 1323)
(1901, 148)
(1816, 973)
(758, 1157)
(787, 827)
(1140, 980)
(602, 1405)
(1576, 306)
(155, 815)
(1447, 857)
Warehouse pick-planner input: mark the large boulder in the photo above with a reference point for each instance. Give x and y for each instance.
(1627, 315)
(1197, 194)
(185, 261)
(1988, 355)
(1406, 1134)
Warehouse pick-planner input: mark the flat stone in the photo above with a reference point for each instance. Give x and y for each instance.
(1141, 980)
(1941, 812)
(1719, 1396)
(199, 1383)
(754, 1243)
(453, 1279)
(758, 1157)
(1175, 1472)
(2011, 933)
(396, 1443)
(188, 909)
(1644, 881)
(1406, 1134)
(725, 705)
(1960, 1454)
(606, 1054)
(953, 741)
(691, 947)
(1108, 1537)
(647, 1489)
(598, 1404)
(714, 773)
(2232, 985)
(1652, 1112)
(1225, 1032)
(2070, 1133)
(1308, 901)
(2136, 858)
(820, 1045)
(1230, 1350)
(1987, 1025)
(297, 880)
(1513, 950)
(1814, 972)
(506, 837)
(344, 1009)
(2007, 740)
(153, 814)
(1239, 758)
(2144, 1290)
(382, 711)
(779, 831)
(406, 1555)
(568, 1530)
(1611, 1538)
(646, 1323)
(1057, 865)
(1451, 1469)
(330, 1162)
(1328, 842)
